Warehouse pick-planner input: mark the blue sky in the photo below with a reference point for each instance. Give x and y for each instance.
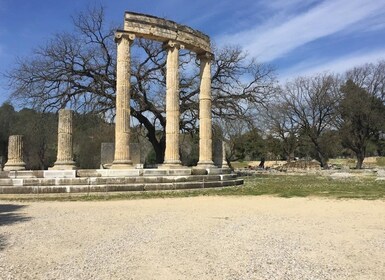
(298, 37)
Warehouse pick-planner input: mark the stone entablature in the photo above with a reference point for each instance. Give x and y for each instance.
(159, 29)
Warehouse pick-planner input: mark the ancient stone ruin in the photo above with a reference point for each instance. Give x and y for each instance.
(174, 37)
(122, 175)
(65, 157)
(15, 153)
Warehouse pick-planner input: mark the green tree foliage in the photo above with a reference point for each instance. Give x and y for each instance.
(7, 113)
(90, 130)
(39, 131)
(40, 136)
(362, 117)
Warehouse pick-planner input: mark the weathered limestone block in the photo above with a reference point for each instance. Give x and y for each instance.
(15, 154)
(65, 158)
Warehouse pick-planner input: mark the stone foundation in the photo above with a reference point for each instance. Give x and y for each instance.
(110, 180)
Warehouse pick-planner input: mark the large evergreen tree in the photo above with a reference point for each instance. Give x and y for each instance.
(362, 116)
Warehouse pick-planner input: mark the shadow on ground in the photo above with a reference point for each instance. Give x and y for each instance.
(10, 214)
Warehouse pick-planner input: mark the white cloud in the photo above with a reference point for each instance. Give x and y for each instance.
(338, 65)
(281, 35)
(286, 4)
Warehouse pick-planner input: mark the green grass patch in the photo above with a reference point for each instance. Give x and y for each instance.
(311, 185)
(380, 161)
(274, 185)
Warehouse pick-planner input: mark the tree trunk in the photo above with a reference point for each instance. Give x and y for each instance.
(322, 160)
(160, 149)
(360, 159)
(320, 156)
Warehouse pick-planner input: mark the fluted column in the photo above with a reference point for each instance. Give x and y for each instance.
(224, 161)
(15, 153)
(65, 157)
(172, 157)
(122, 157)
(205, 123)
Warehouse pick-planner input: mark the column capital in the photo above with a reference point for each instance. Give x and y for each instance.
(205, 56)
(172, 44)
(121, 34)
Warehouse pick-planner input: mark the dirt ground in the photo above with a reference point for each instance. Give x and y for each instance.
(194, 238)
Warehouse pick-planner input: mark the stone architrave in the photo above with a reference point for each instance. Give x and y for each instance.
(172, 156)
(65, 158)
(15, 154)
(205, 123)
(122, 157)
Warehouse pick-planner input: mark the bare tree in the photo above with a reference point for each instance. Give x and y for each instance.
(370, 77)
(78, 70)
(311, 103)
(282, 126)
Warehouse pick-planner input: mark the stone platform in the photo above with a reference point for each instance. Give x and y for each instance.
(116, 180)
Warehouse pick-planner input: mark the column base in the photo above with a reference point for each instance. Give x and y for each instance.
(206, 164)
(122, 164)
(63, 165)
(168, 164)
(14, 166)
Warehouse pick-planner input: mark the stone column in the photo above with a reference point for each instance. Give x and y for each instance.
(224, 161)
(122, 157)
(15, 154)
(205, 123)
(65, 157)
(171, 156)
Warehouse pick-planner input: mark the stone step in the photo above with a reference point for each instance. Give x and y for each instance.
(41, 189)
(112, 180)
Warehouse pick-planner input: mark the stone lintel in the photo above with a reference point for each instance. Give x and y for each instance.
(162, 30)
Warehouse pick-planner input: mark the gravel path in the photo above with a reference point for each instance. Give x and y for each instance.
(194, 238)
